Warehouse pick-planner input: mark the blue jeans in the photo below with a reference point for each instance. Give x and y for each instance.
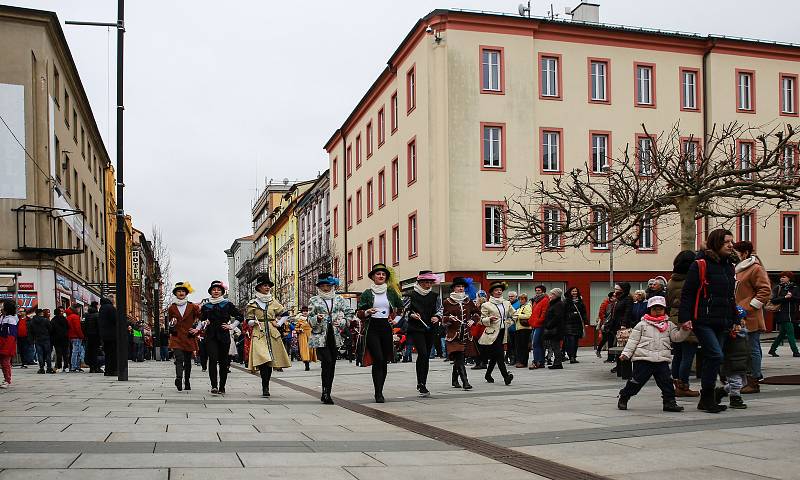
(538, 345)
(164, 353)
(682, 358)
(77, 351)
(755, 352)
(713, 342)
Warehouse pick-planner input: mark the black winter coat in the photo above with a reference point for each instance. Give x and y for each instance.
(788, 311)
(59, 329)
(736, 356)
(218, 315)
(575, 316)
(637, 312)
(39, 329)
(91, 323)
(717, 309)
(107, 320)
(622, 313)
(554, 321)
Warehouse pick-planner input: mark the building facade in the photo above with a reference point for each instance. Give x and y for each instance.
(145, 279)
(53, 190)
(240, 271)
(267, 202)
(478, 103)
(314, 230)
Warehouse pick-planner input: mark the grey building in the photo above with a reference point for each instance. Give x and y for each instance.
(314, 229)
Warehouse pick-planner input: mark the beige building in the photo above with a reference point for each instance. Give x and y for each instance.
(52, 165)
(480, 102)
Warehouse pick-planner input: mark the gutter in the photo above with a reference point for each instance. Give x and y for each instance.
(706, 54)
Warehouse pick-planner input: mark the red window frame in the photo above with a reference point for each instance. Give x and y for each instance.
(607, 62)
(560, 131)
(369, 139)
(413, 235)
(504, 208)
(335, 172)
(502, 127)
(349, 161)
(609, 156)
(393, 107)
(559, 83)
(637, 157)
(358, 151)
(381, 188)
(502, 67)
(411, 89)
(370, 197)
(349, 213)
(796, 105)
(697, 89)
(411, 161)
(335, 221)
(358, 205)
(796, 215)
(739, 143)
(382, 247)
(360, 261)
(752, 74)
(370, 252)
(395, 178)
(396, 244)
(350, 266)
(653, 95)
(381, 126)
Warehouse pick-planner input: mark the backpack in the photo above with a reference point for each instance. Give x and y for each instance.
(703, 288)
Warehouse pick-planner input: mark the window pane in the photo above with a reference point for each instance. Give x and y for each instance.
(645, 156)
(549, 77)
(598, 81)
(599, 153)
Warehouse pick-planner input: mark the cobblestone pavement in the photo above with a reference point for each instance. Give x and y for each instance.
(82, 426)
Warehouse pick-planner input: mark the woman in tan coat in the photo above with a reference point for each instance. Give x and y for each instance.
(753, 291)
(266, 316)
(303, 329)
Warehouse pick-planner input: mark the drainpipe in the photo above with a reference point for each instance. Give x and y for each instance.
(705, 107)
(344, 209)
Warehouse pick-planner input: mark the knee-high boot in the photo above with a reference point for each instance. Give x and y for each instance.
(464, 380)
(456, 374)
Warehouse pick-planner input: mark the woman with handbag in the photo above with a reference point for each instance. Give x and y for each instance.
(265, 315)
(377, 306)
(575, 312)
(459, 315)
(496, 315)
(554, 327)
(8, 339)
(183, 315)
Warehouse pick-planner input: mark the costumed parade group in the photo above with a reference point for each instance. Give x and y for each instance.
(468, 329)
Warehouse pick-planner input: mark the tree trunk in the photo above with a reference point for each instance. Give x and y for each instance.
(687, 208)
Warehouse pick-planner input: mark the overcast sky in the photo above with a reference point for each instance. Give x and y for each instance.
(222, 95)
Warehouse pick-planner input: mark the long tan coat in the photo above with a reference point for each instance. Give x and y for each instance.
(266, 344)
(489, 309)
(753, 291)
(303, 330)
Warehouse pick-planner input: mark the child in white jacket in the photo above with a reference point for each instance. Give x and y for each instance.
(650, 349)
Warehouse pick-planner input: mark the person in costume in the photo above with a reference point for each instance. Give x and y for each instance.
(377, 306)
(327, 313)
(496, 315)
(303, 330)
(423, 311)
(221, 316)
(266, 317)
(183, 315)
(459, 314)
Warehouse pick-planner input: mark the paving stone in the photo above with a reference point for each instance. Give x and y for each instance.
(157, 460)
(319, 459)
(328, 473)
(85, 474)
(61, 436)
(163, 437)
(440, 472)
(36, 460)
(456, 457)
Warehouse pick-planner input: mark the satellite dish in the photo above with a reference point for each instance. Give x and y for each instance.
(524, 11)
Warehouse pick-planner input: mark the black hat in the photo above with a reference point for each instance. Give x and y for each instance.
(327, 278)
(380, 267)
(497, 284)
(459, 281)
(183, 286)
(218, 284)
(263, 279)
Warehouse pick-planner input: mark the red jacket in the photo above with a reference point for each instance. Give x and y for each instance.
(539, 309)
(22, 327)
(74, 330)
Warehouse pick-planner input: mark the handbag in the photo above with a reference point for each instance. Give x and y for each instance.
(772, 307)
(622, 335)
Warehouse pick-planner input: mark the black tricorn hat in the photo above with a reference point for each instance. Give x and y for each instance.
(263, 279)
(326, 278)
(459, 281)
(217, 284)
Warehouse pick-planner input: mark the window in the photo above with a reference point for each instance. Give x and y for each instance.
(412, 235)
(551, 150)
(745, 87)
(350, 266)
(370, 197)
(83, 143)
(66, 108)
(746, 148)
(336, 221)
(789, 164)
(349, 161)
(349, 213)
(56, 84)
(744, 227)
(549, 77)
(689, 89)
(393, 112)
(789, 233)
(647, 234)
(600, 144)
(370, 253)
(411, 89)
(690, 148)
(358, 206)
(381, 126)
(644, 154)
(601, 229)
(598, 80)
(492, 146)
(381, 188)
(395, 245)
(358, 152)
(788, 89)
(552, 221)
(75, 125)
(369, 139)
(395, 178)
(492, 80)
(57, 155)
(645, 84)
(382, 247)
(360, 260)
(335, 172)
(493, 226)
(411, 153)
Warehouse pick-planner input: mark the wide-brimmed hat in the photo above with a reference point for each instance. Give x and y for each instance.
(380, 267)
(217, 284)
(427, 275)
(497, 284)
(459, 281)
(263, 279)
(327, 279)
(186, 286)
(657, 300)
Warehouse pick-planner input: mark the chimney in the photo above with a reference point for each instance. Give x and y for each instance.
(586, 12)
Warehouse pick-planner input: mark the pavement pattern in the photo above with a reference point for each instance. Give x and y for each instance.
(85, 426)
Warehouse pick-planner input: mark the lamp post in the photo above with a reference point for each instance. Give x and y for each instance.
(157, 320)
(120, 250)
(607, 171)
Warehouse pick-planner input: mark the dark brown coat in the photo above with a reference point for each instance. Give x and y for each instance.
(181, 340)
(464, 311)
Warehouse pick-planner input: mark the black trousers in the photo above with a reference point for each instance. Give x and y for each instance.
(43, 350)
(522, 339)
(218, 355)
(203, 352)
(555, 347)
(265, 371)
(92, 346)
(642, 371)
(62, 354)
(327, 357)
(423, 341)
(183, 364)
(110, 352)
(379, 345)
(496, 355)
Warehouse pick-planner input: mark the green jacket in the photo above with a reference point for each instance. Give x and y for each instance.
(367, 299)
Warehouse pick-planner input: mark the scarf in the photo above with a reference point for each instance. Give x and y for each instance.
(661, 323)
(264, 297)
(379, 289)
(458, 297)
(496, 301)
(181, 303)
(538, 298)
(217, 300)
(326, 295)
(421, 290)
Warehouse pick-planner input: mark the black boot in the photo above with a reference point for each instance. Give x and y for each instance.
(622, 403)
(326, 399)
(719, 394)
(508, 377)
(464, 381)
(178, 384)
(186, 385)
(707, 403)
(307, 366)
(456, 374)
(737, 403)
(672, 406)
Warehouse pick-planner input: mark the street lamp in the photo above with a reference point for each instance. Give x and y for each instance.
(120, 250)
(607, 172)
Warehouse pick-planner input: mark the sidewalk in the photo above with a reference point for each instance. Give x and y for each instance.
(82, 426)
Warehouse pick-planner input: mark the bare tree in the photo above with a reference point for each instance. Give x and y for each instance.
(161, 254)
(676, 179)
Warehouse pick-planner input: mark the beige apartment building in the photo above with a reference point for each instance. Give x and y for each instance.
(471, 104)
(52, 166)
